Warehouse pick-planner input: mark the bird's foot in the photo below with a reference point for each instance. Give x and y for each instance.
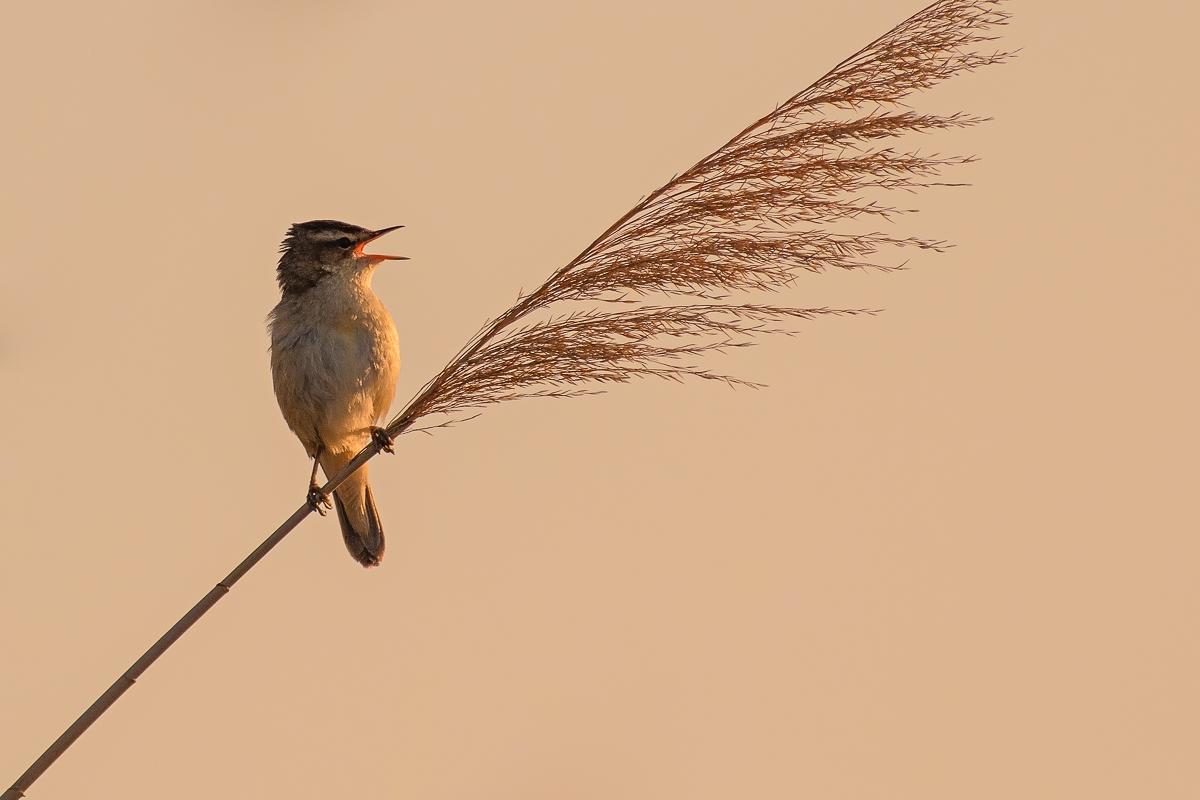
(319, 501)
(382, 438)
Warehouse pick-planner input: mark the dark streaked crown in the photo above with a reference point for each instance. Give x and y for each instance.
(312, 250)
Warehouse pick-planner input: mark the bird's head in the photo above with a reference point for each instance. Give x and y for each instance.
(315, 250)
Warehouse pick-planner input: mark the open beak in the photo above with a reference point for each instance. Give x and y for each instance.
(375, 235)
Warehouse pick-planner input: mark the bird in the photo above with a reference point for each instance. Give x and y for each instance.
(335, 358)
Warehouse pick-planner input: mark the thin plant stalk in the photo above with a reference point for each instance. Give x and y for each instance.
(749, 218)
(130, 676)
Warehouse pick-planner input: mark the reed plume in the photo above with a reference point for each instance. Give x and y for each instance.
(749, 218)
(663, 279)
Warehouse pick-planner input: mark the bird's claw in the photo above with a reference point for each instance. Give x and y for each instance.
(318, 500)
(385, 440)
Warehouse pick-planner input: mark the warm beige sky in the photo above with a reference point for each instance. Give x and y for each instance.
(951, 552)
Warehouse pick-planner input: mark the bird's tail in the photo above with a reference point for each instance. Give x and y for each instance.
(361, 529)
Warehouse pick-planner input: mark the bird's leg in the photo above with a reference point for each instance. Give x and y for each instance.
(318, 501)
(382, 438)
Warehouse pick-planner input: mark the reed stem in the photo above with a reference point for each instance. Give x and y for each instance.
(130, 676)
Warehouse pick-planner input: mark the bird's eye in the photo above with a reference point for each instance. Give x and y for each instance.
(343, 242)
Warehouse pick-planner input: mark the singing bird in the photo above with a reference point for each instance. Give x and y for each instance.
(335, 358)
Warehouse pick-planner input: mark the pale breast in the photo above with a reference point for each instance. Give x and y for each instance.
(335, 358)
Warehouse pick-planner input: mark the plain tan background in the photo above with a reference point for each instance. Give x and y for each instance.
(951, 551)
